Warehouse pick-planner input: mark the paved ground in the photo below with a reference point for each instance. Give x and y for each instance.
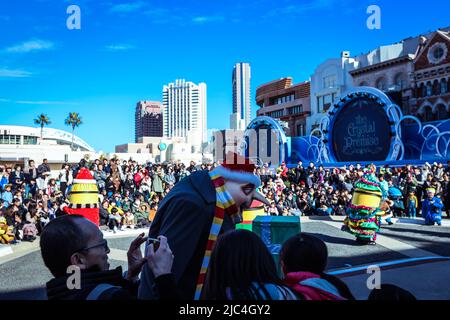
(25, 268)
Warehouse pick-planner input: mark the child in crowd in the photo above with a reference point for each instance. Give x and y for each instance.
(152, 213)
(128, 220)
(115, 220)
(273, 211)
(412, 204)
(303, 261)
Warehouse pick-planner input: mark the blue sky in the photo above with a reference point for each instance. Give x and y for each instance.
(127, 50)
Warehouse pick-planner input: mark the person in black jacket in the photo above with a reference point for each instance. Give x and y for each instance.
(16, 178)
(74, 251)
(31, 172)
(104, 214)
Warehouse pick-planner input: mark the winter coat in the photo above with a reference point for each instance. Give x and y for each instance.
(311, 286)
(157, 183)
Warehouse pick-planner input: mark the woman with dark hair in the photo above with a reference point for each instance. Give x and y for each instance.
(65, 178)
(390, 292)
(242, 268)
(303, 260)
(103, 212)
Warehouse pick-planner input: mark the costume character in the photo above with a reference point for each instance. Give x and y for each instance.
(363, 213)
(6, 232)
(83, 197)
(193, 214)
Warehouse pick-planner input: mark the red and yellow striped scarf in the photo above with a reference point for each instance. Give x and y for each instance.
(224, 204)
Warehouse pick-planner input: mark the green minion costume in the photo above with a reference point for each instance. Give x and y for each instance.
(364, 214)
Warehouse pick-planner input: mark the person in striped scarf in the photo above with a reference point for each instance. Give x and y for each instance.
(194, 213)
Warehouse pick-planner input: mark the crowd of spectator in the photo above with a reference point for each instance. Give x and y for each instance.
(129, 192)
(323, 191)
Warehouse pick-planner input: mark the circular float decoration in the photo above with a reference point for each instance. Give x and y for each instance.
(363, 127)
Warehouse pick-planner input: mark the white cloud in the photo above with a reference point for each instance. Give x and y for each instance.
(31, 45)
(128, 7)
(120, 47)
(302, 7)
(38, 102)
(207, 19)
(9, 73)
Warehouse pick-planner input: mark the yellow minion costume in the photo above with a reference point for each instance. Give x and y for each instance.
(364, 214)
(83, 197)
(6, 234)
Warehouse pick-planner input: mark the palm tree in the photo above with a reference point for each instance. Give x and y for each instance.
(42, 120)
(73, 120)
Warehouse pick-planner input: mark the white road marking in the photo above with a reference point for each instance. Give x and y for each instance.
(394, 245)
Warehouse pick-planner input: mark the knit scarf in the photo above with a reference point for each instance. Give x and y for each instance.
(224, 204)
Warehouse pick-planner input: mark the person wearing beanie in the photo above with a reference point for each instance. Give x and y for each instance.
(83, 197)
(193, 214)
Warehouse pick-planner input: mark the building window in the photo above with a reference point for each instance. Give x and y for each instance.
(324, 102)
(285, 99)
(301, 130)
(422, 91)
(437, 53)
(329, 82)
(441, 112)
(327, 101)
(10, 139)
(29, 140)
(381, 84)
(444, 86)
(319, 99)
(295, 110)
(427, 114)
(276, 114)
(436, 88)
(429, 91)
(400, 81)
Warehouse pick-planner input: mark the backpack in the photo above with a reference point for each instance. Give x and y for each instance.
(99, 290)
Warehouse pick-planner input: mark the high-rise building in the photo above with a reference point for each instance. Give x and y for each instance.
(149, 120)
(240, 117)
(288, 102)
(184, 105)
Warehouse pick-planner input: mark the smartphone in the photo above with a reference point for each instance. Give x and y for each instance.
(155, 243)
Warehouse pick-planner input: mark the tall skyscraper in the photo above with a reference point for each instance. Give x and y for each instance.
(240, 117)
(184, 105)
(148, 119)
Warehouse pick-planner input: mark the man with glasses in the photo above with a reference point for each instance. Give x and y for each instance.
(73, 246)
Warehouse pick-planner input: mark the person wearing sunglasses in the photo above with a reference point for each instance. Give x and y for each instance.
(76, 254)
